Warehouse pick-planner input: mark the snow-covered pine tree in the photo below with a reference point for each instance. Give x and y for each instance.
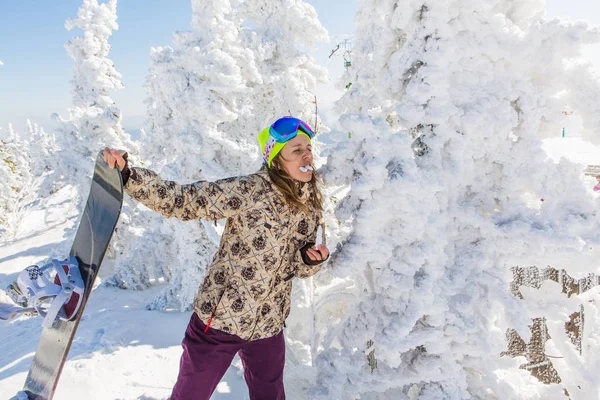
(279, 34)
(16, 178)
(42, 157)
(42, 154)
(445, 173)
(94, 121)
(195, 89)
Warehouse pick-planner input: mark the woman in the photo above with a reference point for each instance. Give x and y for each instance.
(269, 238)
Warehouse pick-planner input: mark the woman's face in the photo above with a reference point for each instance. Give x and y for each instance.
(296, 158)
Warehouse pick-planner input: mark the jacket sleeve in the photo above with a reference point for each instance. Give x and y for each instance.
(305, 267)
(208, 200)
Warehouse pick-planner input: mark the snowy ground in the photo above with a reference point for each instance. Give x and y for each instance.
(121, 350)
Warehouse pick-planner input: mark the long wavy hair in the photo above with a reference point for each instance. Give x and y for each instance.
(289, 186)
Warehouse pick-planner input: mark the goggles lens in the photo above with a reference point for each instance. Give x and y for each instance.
(287, 128)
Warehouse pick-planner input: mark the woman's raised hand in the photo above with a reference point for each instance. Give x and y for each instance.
(318, 253)
(113, 156)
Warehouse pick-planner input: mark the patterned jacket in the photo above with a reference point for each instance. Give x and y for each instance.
(247, 287)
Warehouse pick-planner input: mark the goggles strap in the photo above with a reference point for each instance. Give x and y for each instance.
(268, 148)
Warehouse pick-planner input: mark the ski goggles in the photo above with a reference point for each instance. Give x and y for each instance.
(286, 128)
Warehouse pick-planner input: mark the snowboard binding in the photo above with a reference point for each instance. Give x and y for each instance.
(54, 291)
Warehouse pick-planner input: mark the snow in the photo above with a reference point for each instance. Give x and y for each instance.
(124, 351)
(436, 184)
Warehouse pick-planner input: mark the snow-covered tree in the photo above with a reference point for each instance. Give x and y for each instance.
(16, 178)
(42, 154)
(279, 33)
(448, 189)
(94, 120)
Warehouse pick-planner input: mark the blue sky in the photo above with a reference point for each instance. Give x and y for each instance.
(34, 80)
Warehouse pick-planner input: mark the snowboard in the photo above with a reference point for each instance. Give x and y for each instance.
(93, 235)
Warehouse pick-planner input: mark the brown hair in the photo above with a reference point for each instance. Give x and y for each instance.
(289, 186)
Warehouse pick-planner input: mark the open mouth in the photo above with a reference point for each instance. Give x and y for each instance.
(306, 168)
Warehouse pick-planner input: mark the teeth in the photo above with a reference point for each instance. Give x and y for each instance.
(306, 168)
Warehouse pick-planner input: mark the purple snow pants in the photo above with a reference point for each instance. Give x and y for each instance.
(207, 356)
